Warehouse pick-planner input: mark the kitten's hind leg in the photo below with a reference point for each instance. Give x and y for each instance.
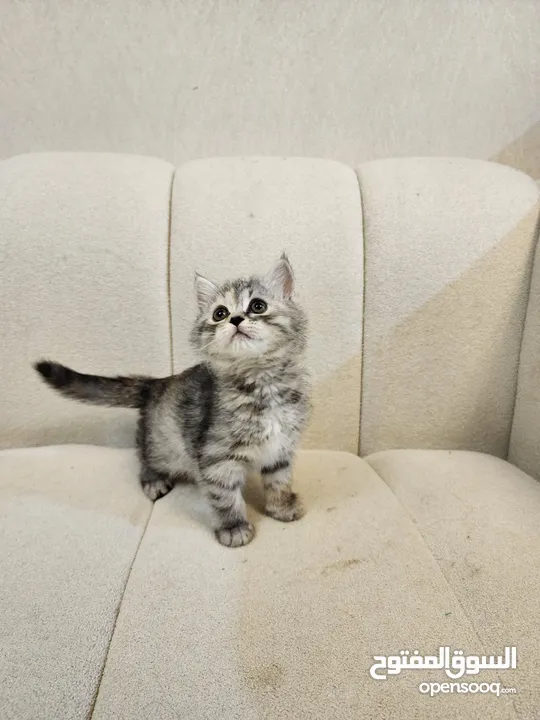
(155, 484)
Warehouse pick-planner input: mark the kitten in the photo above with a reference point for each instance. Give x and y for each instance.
(242, 408)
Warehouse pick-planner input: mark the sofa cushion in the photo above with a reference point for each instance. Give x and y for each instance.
(287, 627)
(83, 280)
(449, 245)
(234, 216)
(524, 450)
(71, 519)
(480, 518)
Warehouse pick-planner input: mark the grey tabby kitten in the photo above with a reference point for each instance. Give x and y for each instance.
(242, 408)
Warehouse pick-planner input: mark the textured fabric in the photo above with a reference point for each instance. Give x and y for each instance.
(345, 79)
(287, 627)
(71, 519)
(479, 516)
(83, 280)
(525, 438)
(449, 246)
(235, 216)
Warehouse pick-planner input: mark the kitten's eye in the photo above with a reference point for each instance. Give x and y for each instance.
(257, 307)
(220, 313)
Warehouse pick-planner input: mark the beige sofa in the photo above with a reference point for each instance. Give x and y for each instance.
(424, 301)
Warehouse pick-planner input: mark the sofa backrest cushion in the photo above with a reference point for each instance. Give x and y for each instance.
(85, 277)
(83, 280)
(525, 437)
(234, 216)
(98, 255)
(448, 254)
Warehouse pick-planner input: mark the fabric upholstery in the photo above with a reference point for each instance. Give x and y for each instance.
(478, 515)
(83, 280)
(235, 216)
(448, 253)
(524, 441)
(114, 609)
(71, 519)
(286, 627)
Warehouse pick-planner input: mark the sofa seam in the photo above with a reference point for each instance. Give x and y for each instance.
(90, 714)
(535, 256)
(443, 575)
(169, 251)
(364, 276)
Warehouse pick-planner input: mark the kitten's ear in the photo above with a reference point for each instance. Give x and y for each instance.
(280, 279)
(204, 290)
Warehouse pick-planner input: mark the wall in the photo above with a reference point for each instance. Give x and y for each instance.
(352, 80)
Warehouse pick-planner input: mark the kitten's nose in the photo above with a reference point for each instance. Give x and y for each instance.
(236, 320)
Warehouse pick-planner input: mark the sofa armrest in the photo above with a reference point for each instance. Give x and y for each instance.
(525, 438)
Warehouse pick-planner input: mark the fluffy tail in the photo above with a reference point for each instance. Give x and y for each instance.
(115, 392)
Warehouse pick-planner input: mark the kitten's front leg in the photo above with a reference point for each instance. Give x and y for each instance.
(222, 483)
(281, 502)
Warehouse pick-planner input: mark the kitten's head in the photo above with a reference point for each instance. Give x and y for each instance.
(251, 319)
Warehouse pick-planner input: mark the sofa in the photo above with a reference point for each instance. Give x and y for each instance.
(419, 469)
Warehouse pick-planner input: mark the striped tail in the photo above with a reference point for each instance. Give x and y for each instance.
(128, 392)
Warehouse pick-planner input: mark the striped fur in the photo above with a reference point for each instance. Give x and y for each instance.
(242, 408)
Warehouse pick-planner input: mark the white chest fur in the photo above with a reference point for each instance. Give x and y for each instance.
(276, 429)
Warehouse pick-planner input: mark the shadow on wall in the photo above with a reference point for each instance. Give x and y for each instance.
(524, 153)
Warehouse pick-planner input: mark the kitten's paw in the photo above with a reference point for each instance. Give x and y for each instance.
(236, 536)
(288, 509)
(156, 489)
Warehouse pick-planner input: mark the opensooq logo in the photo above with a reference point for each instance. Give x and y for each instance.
(455, 665)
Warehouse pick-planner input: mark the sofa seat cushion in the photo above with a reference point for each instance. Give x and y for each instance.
(287, 627)
(71, 519)
(480, 518)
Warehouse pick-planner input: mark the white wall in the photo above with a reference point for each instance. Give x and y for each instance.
(346, 79)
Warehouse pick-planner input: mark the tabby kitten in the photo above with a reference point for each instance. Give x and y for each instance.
(242, 408)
